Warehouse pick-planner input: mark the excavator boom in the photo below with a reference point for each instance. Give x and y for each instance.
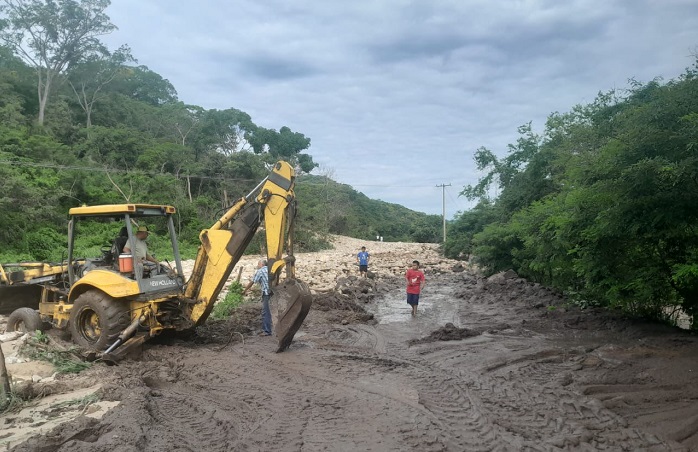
(273, 203)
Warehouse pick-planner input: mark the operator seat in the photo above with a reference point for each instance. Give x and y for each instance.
(118, 245)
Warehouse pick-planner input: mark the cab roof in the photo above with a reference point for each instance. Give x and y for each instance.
(112, 210)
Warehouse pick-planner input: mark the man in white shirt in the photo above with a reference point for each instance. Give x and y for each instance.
(141, 251)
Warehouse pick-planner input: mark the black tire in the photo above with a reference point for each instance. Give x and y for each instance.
(97, 319)
(26, 320)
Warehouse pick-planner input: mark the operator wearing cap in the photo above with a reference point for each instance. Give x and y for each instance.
(141, 251)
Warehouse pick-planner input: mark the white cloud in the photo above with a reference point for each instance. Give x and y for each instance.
(397, 95)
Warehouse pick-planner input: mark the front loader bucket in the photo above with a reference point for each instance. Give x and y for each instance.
(19, 296)
(293, 299)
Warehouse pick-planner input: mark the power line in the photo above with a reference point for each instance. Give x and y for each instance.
(195, 176)
(456, 202)
(113, 170)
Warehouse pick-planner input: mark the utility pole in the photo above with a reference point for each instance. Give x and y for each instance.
(443, 205)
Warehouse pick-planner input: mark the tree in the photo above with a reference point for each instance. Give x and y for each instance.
(284, 144)
(226, 131)
(504, 170)
(142, 84)
(90, 76)
(51, 35)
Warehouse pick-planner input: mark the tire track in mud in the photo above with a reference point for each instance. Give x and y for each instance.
(512, 403)
(193, 403)
(526, 396)
(302, 408)
(358, 387)
(335, 405)
(445, 415)
(264, 419)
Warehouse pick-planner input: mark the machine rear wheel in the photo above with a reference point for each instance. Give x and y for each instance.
(26, 320)
(97, 319)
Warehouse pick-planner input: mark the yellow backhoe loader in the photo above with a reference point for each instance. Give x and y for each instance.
(114, 302)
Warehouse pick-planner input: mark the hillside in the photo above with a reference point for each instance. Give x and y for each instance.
(328, 206)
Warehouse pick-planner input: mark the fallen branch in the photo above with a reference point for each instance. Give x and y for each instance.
(117, 187)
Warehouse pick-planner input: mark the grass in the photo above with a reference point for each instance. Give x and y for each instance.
(224, 309)
(66, 361)
(41, 337)
(12, 402)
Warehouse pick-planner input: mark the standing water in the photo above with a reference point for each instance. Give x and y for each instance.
(437, 306)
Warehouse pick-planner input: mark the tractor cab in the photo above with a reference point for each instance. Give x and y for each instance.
(119, 273)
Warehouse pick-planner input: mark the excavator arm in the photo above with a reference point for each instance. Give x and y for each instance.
(273, 203)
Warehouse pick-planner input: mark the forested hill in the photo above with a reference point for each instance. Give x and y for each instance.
(339, 209)
(82, 125)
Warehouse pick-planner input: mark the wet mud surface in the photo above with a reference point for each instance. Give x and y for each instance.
(494, 364)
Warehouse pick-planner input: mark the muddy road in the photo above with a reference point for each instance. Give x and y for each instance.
(495, 364)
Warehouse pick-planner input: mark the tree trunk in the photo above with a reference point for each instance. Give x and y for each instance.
(43, 98)
(4, 381)
(189, 189)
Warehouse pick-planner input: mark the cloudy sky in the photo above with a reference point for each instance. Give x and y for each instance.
(397, 95)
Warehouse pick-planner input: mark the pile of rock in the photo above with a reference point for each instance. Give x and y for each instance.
(389, 260)
(323, 270)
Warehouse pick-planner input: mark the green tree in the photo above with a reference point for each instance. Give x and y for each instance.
(15, 80)
(142, 84)
(284, 144)
(89, 77)
(459, 240)
(226, 131)
(503, 171)
(50, 35)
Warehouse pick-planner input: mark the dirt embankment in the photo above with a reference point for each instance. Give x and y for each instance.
(487, 364)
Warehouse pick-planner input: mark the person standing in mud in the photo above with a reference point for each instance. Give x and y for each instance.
(362, 258)
(261, 277)
(415, 283)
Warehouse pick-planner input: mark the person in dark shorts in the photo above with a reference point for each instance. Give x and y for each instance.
(362, 258)
(415, 284)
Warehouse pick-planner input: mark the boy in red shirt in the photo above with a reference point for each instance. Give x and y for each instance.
(415, 283)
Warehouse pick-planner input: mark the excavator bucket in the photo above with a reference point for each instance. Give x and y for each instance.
(293, 300)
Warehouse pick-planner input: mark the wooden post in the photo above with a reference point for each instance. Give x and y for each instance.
(239, 274)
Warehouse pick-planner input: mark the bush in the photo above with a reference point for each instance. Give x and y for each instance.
(233, 299)
(46, 244)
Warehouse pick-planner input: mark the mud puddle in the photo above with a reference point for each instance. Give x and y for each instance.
(437, 306)
(541, 375)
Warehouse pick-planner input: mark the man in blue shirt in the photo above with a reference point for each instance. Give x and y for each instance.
(261, 277)
(362, 258)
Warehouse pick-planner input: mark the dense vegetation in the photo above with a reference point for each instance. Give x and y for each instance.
(602, 205)
(82, 125)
